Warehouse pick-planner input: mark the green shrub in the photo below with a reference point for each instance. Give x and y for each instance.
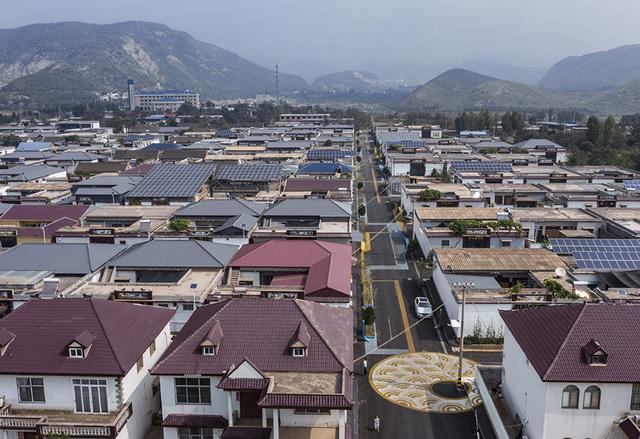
(179, 224)
(369, 315)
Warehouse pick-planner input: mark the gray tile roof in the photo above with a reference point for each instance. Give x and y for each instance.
(222, 208)
(175, 254)
(58, 258)
(243, 222)
(28, 172)
(316, 207)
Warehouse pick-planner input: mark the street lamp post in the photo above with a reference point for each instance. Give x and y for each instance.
(464, 286)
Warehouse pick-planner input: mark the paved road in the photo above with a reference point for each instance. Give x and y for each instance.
(395, 283)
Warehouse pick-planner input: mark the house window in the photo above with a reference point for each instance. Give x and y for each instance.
(505, 243)
(76, 353)
(187, 306)
(298, 352)
(208, 350)
(140, 364)
(152, 347)
(312, 412)
(91, 395)
(195, 433)
(30, 389)
(635, 396)
(570, 397)
(598, 359)
(193, 391)
(591, 398)
(444, 243)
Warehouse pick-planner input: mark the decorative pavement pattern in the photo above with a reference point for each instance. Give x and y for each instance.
(408, 380)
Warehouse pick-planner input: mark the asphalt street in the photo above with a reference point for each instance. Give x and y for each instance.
(396, 285)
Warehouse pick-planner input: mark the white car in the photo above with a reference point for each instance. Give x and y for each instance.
(423, 307)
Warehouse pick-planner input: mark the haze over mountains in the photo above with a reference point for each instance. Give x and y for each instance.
(62, 62)
(70, 62)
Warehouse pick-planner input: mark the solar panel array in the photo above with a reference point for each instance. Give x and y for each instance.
(390, 137)
(258, 172)
(329, 154)
(632, 184)
(173, 181)
(484, 166)
(601, 254)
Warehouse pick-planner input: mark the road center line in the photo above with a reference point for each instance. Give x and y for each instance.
(405, 318)
(375, 186)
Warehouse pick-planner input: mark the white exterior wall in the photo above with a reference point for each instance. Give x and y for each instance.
(559, 423)
(399, 168)
(486, 313)
(137, 389)
(522, 388)
(58, 392)
(218, 404)
(288, 418)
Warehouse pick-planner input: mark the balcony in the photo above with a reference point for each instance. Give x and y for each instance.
(60, 422)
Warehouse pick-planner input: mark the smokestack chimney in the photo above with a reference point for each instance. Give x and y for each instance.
(131, 92)
(145, 226)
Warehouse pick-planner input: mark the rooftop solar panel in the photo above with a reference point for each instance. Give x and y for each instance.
(477, 166)
(329, 154)
(257, 172)
(600, 254)
(173, 181)
(632, 184)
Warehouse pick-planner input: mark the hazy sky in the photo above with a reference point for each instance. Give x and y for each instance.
(347, 34)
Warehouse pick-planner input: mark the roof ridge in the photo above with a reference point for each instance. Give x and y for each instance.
(298, 302)
(566, 337)
(106, 336)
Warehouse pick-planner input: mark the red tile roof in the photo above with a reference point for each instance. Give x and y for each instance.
(328, 264)
(201, 421)
(243, 383)
(297, 401)
(45, 213)
(259, 330)
(552, 339)
(44, 328)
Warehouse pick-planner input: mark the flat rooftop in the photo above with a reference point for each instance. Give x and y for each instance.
(305, 383)
(205, 281)
(581, 188)
(551, 215)
(150, 212)
(460, 190)
(510, 188)
(454, 213)
(497, 260)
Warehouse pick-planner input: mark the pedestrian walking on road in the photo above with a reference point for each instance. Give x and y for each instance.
(376, 424)
(364, 365)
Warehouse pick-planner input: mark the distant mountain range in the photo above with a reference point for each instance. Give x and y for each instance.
(595, 71)
(460, 89)
(69, 62)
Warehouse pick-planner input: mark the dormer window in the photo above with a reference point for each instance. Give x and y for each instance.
(299, 340)
(76, 353)
(80, 345)
(299, 352)
(211, 342)
(594, 354)
(208, 350)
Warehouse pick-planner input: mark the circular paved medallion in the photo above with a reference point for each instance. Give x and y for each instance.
(425, 381)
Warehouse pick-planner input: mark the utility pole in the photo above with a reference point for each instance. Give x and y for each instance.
(464, 285)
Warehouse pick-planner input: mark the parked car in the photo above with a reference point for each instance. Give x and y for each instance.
(423, 307)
